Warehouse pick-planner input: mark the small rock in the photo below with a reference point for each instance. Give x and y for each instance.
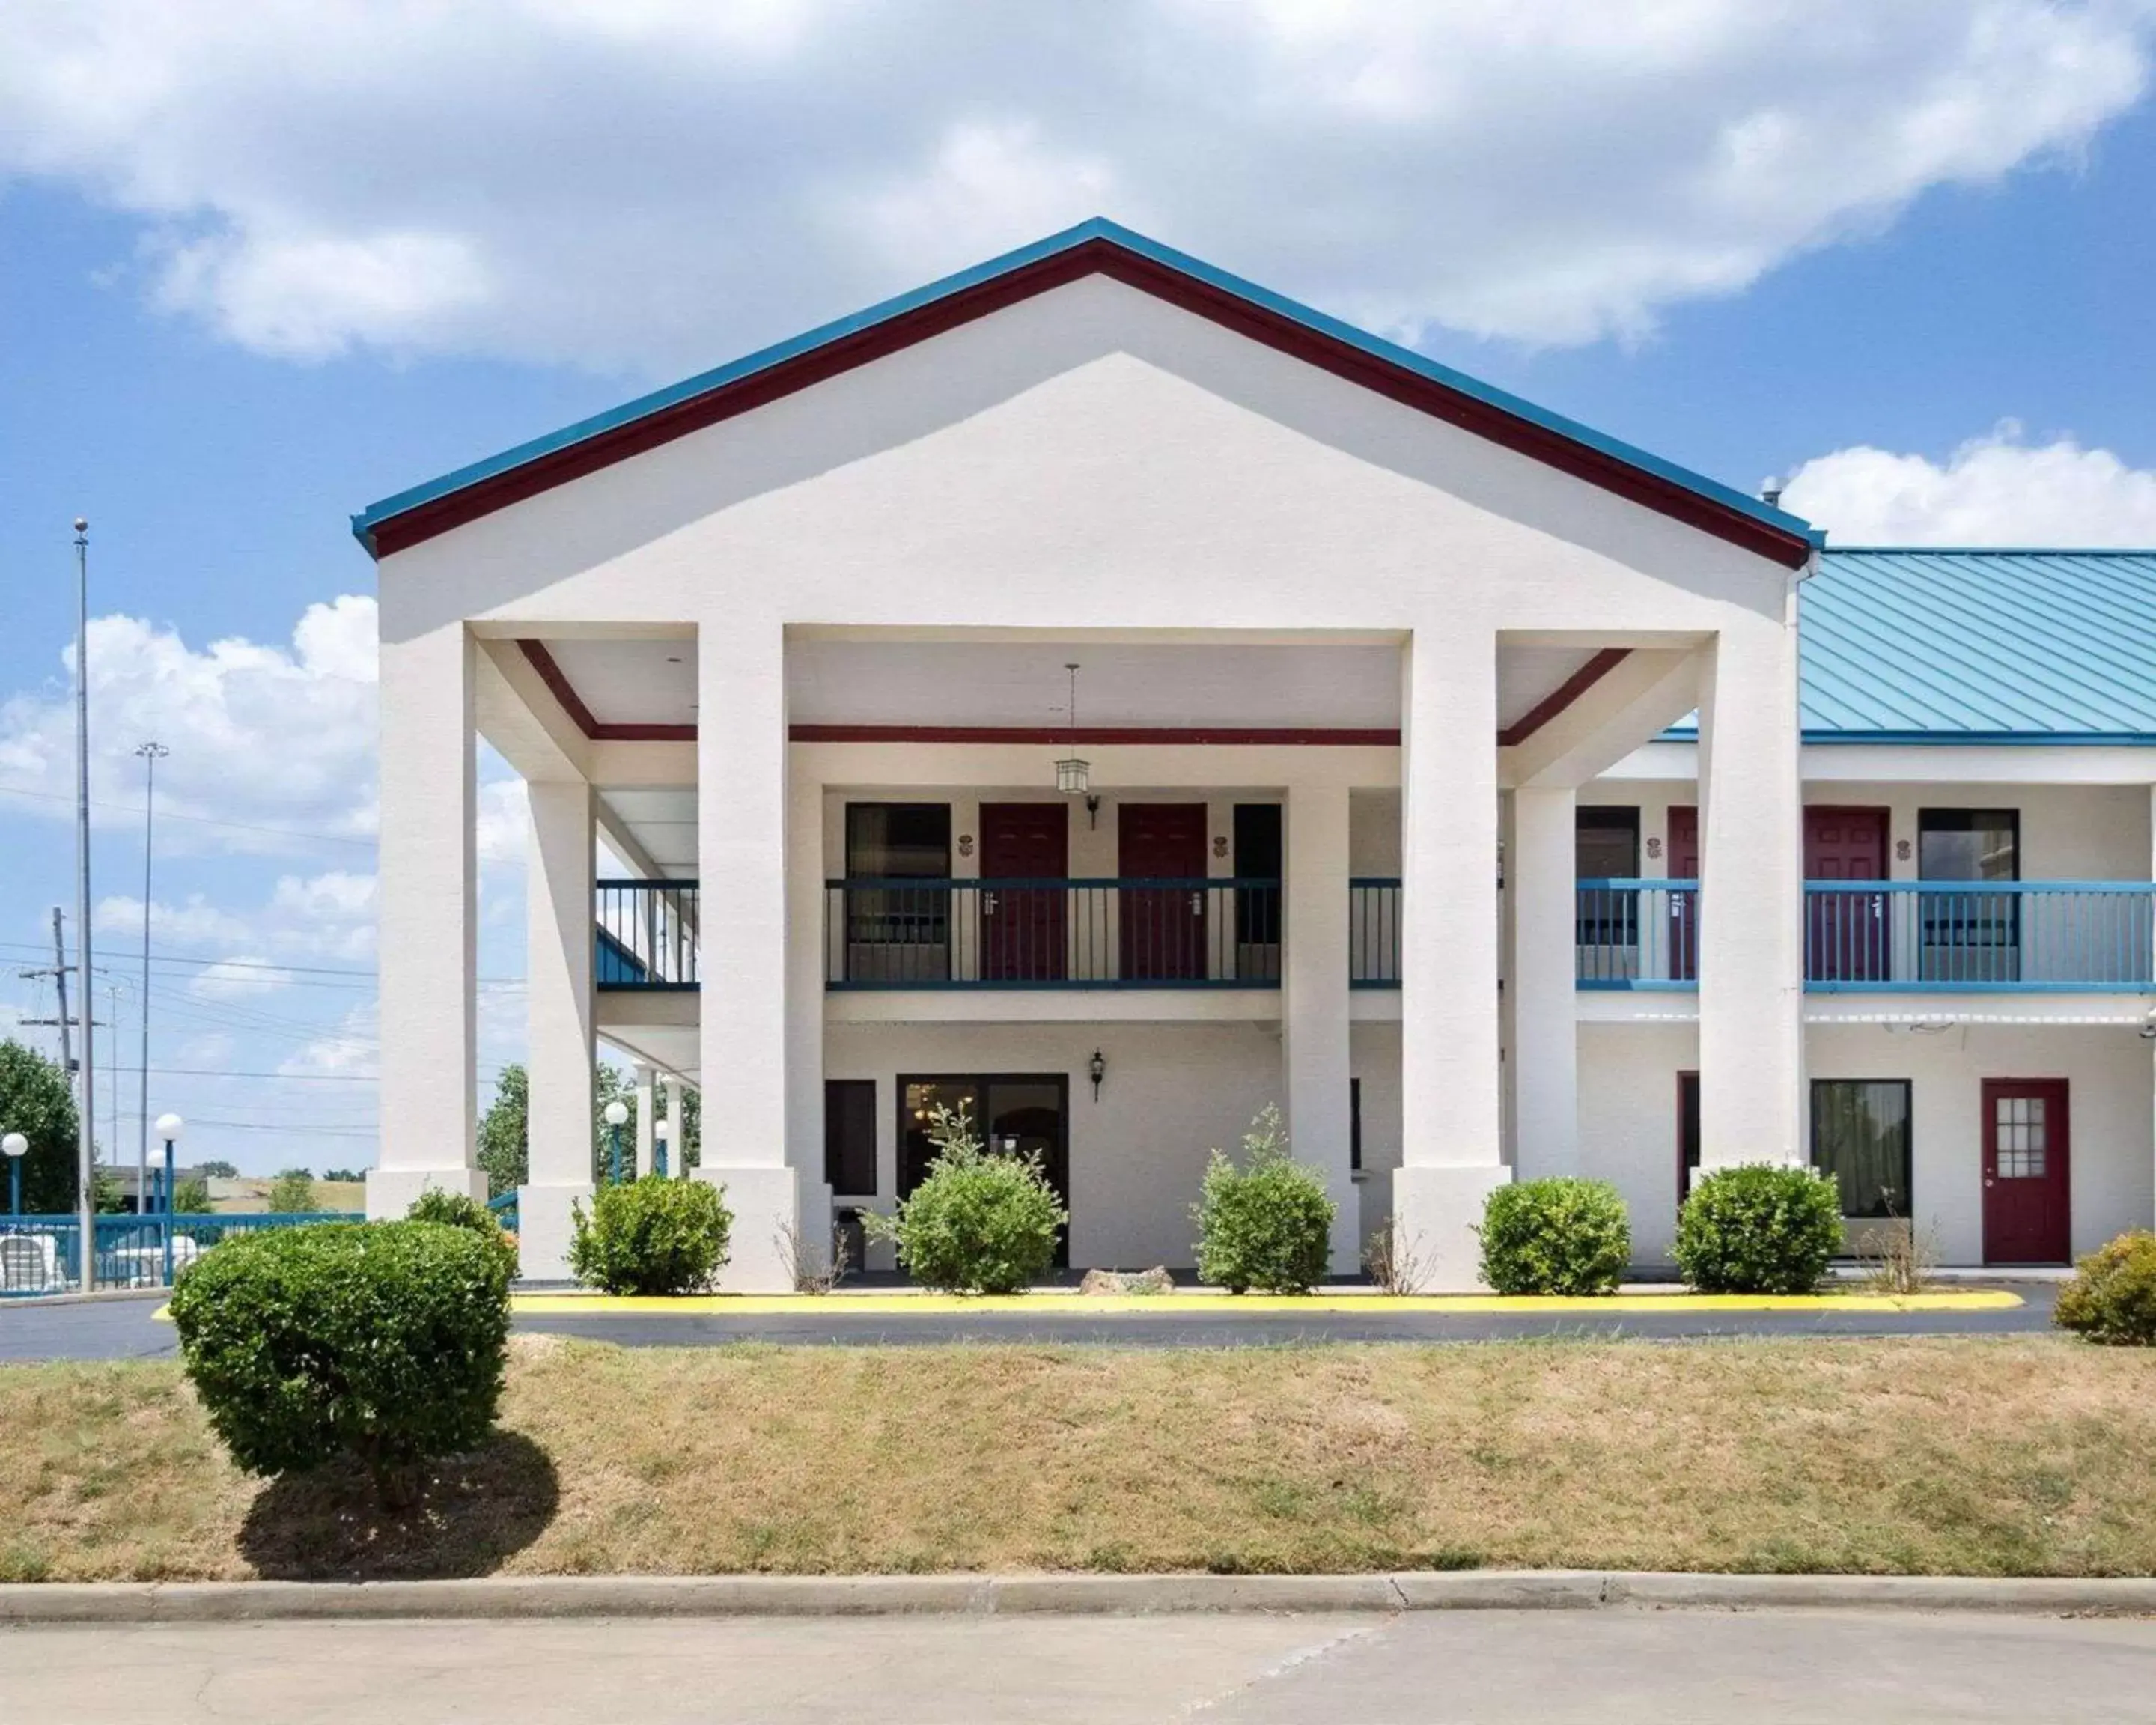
(1155, 1281)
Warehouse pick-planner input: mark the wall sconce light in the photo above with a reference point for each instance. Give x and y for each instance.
(1097, 1068)
(1901, 850)
(965, 844)
(1654, 844)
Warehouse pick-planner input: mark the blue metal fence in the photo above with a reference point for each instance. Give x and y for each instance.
(43, 1255)
(1373, 933)
(504, 1208)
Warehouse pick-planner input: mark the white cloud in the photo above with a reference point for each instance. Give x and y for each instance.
(238, 978)
(353, 1049)
(261, 735)
(1995, 490)
(654, 184)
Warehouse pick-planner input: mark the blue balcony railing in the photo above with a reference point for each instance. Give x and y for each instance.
(2001, 935)
(912, 933)
(1893, 935)
(647, 934)
(1373, 933)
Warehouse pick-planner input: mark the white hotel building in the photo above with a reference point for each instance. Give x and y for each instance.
(1453, 776)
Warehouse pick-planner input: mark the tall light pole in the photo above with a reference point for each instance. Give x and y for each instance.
(86, 1145)
(150, 753)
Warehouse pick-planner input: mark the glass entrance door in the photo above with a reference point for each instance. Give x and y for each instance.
(1015, 1114)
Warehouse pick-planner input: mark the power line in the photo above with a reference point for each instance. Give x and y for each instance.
(200, 820)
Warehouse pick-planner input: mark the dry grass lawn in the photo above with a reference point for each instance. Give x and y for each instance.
(2026, 1456)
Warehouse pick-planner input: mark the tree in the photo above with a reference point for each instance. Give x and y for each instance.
(292, 1193)
(215, 1170)
(347, 1175)
(191, 1197)
(504, 1152)
(504, 1133)
(36, 1101)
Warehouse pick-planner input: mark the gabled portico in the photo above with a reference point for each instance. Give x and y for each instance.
(1304, 570)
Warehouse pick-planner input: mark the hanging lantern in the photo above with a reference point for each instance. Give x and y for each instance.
(1073, 777)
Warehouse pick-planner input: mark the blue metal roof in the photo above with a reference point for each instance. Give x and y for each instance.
(1923, 644)
(1099, 228)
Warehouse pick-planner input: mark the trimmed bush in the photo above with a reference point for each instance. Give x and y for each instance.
(455, 1209)
(380, 1340)
(2112, 1299)
(1762, 1228)
(1267, 1224)
(1556, 1236)
(654, 1235)
(980, 1222)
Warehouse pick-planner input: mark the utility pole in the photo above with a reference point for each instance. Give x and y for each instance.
(151, 753)
(59, 980)
(86, 1145)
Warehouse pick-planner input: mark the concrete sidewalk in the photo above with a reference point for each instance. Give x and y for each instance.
(1499, 1667)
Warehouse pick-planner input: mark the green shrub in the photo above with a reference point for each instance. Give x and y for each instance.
(651, 1236)
(2112, 1299)
(1267, 1224)
(980, 1222)
(456, 1210)
(292, 1194)
(1763, 1228)
(1556, 1236)
(384, 1340)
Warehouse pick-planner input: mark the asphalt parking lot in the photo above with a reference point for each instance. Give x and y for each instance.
(129, 1328)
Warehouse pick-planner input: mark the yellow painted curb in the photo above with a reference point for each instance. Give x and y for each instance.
(848, 1305)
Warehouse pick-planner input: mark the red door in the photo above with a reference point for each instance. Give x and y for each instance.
(1845, 934)
(1021, 924)
(1684, 906)
(1163, 927)
(2026, 1141)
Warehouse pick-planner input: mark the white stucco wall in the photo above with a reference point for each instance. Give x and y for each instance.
(1629, 1116)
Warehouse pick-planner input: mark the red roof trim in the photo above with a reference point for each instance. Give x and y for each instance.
(1216, 735)
(1563, 697)
(598, 730)
(1046, 736)
(1100, 256)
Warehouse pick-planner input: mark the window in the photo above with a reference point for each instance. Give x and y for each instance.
(1606, 847)
(1258, 908)
(895, 933)
(1970, 936)
(1860, 1136)
(1969, 843)
(1687, 1132)
(849, 1146)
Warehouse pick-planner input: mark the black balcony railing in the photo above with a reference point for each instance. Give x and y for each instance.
(910, 933)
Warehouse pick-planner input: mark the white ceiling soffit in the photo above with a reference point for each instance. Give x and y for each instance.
(959, 683)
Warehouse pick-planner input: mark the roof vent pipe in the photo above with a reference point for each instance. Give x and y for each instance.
(1770, 494)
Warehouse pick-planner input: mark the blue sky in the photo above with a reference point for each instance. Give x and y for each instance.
(217, 345)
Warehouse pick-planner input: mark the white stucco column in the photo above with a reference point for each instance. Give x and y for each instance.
(1539, 877)
(1314, 1020)
(1751, 908)
(561, 1051)
(677, 1136)
(805, 872)
(428, 922)
(647, 1115)
(742, 843)
(1451, 1145)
